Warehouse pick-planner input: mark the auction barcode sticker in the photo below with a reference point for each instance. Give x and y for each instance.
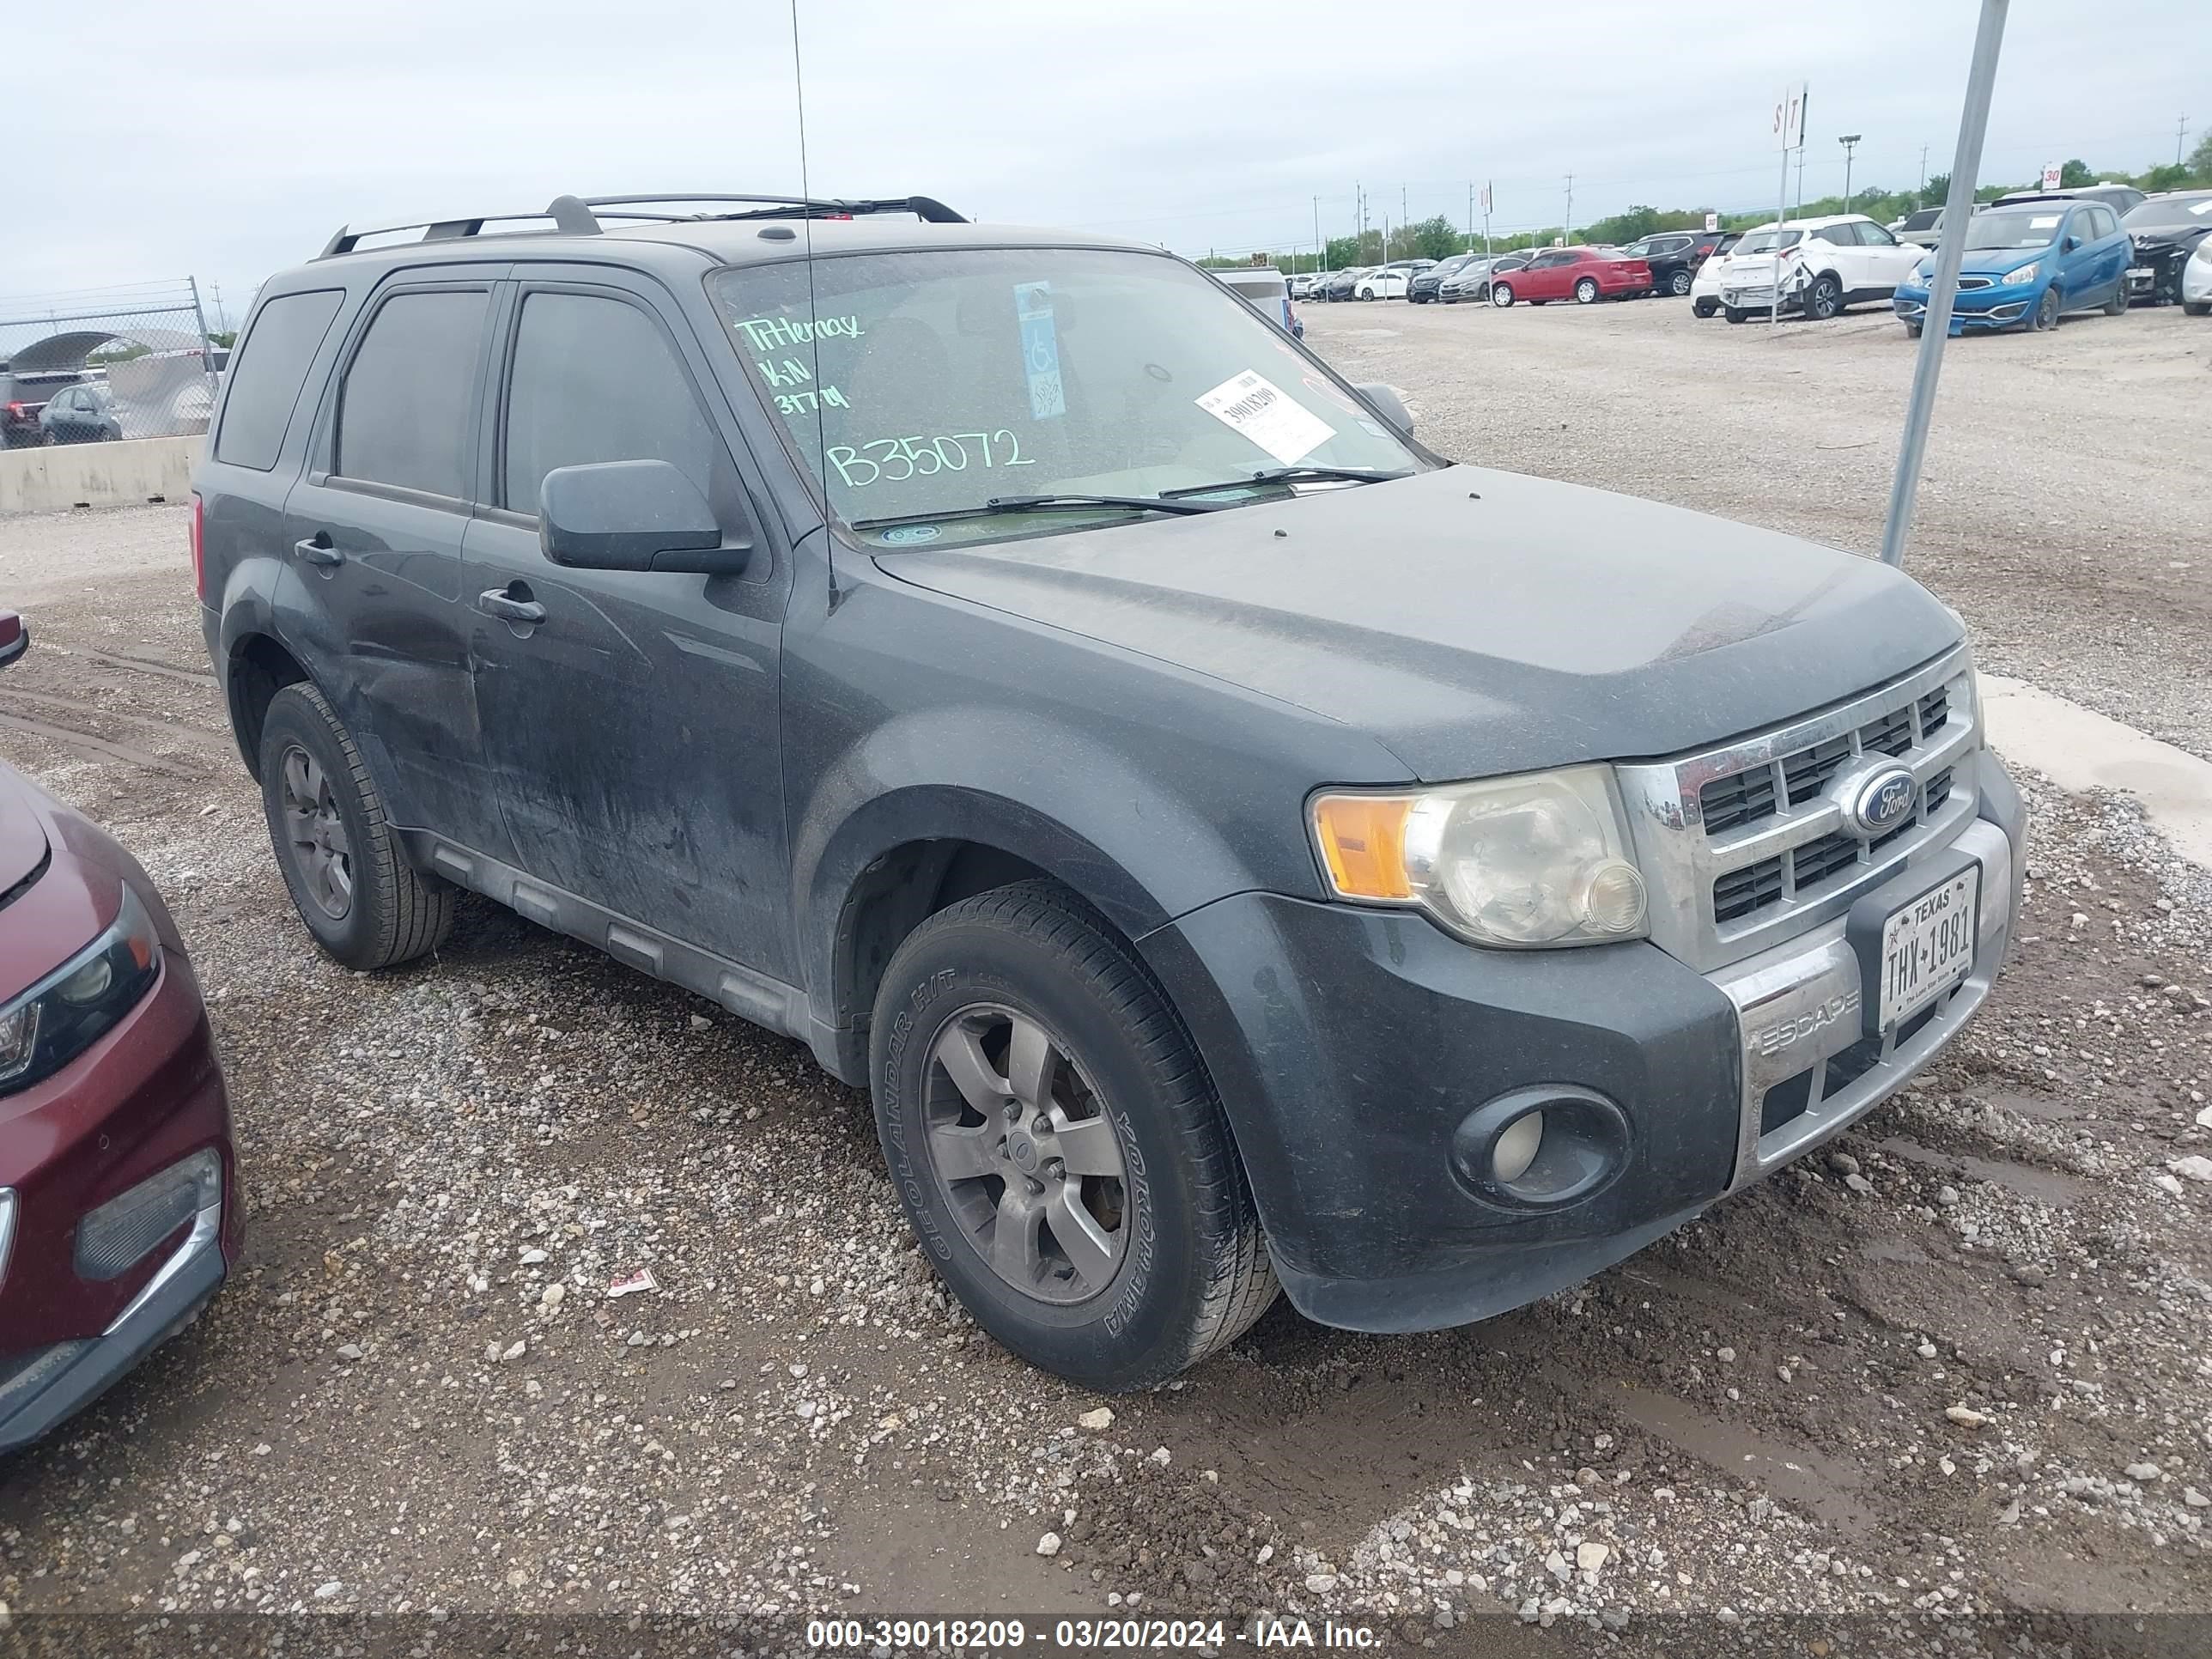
(1265, 413)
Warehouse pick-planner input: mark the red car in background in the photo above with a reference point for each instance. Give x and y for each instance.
(118, 1200)
(1585, 275)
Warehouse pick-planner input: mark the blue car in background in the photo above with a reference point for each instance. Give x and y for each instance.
(2027, 264)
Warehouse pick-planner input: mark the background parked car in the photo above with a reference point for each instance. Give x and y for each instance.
(1390, 282)
(2166, 229)
(80, 414)
(1301, 285)
(2027, 265)
(2121, 198)
(1675, 256)
(1263, 288)
(23, 397)
(1428, 285)
(2196, 280)
(1340, 285)
(1823, 266)
(1585, 275)
(1464, 283)
(1477, 287)
(118, 1204)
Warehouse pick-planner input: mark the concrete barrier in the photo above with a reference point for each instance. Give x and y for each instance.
(62, 476)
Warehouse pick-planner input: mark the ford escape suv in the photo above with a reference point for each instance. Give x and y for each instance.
(1234, 846)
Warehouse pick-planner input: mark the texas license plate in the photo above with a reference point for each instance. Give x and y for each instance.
(1928, 947)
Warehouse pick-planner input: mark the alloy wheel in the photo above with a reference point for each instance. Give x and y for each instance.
(315, 834)
(1025, 1158)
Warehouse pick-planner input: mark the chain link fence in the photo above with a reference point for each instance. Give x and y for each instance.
(98, 366)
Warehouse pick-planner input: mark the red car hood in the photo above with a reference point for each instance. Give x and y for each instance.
(22, 837)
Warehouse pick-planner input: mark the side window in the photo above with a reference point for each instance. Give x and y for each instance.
(2101, 223)
(1844, 235)
(403, 410)
(1876, 235)
(594, 380)
(266, 381)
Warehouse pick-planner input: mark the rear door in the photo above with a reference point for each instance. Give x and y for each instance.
(633, 729)
(374, 531)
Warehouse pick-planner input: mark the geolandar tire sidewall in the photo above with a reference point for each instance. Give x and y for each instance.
(1133, 1332)
(292, 721)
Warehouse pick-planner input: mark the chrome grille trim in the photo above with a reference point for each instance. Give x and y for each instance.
(1681, 862)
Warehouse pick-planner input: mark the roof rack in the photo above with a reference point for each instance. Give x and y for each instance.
(583, 216)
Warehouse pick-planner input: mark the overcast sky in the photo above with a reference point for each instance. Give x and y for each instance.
(228, 138)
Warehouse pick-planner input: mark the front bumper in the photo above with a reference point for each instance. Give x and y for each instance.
(1998, 305)
(145, 1096)
(1350, 1045)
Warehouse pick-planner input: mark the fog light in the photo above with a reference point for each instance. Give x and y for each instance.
(122, 1232)
(1512, 1153)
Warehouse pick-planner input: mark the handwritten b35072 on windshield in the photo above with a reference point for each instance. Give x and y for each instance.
(1255, 406)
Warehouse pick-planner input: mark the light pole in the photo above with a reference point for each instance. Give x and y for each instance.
(1849, 142)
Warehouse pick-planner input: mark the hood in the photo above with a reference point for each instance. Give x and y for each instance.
(1994, 261)
(22, 835)
(1476, 621)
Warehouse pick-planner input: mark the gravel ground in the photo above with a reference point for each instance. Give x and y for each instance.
(1960, 1366)
(2062, 508)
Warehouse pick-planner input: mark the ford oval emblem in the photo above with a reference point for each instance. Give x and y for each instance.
(1882, 801)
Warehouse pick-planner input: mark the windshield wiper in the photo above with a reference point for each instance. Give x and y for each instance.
(1292, 475)
(1041, 504)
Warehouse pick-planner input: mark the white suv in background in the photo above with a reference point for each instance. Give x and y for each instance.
(1825, 264)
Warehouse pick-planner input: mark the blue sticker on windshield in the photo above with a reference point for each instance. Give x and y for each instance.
(1040, 349)
(906, 535)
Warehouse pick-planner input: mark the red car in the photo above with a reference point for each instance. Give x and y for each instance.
(1586, 274)
(118, 1200)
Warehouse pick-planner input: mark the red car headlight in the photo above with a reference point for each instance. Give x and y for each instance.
(71, 1008)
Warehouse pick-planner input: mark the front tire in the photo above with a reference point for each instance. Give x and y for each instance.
(1501, 294)
(1057, 1146)
(349, 879)
(1586, 291)
(1826, 299)
(2045, 315)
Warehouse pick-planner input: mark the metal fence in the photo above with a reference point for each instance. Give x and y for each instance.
(101, 365)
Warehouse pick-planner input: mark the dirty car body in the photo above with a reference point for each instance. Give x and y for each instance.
(1048, 569)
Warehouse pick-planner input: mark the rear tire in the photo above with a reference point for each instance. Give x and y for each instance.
(1029, 968)
(1736, 313)
(2117, 304)
(349, 879)
(1912, 330)
(1705, 307)
(2198, 308)
(1586, 291)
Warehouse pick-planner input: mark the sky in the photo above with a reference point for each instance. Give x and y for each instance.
(231, 138)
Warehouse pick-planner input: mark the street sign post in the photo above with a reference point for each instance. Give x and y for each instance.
(1935, 323)
(1712, 221)
(1788, 122)
(2052, 172)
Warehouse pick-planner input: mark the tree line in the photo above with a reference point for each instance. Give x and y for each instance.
(1437, 238)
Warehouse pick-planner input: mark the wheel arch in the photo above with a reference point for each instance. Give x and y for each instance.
(256, 666)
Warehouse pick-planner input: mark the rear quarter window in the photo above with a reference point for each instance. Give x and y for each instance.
(266, 381)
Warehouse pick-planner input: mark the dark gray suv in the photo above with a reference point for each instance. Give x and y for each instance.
(1232, 845)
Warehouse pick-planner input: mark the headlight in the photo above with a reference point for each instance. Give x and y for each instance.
(2026, 273)
(1538, 859)
(71, 1008)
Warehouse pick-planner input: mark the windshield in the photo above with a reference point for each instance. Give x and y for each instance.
(930, 381)
(2172, 213)
(1763, 241)
(2022, 226)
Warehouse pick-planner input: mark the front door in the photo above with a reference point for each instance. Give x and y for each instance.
(630, 716)
(374, 533)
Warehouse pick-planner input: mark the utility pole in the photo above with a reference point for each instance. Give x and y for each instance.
(1570, 208)
(1801, 180)
(1850, 141)
(1317, 243)
(1922, 190)
(2180, 137)
(1470, 216)
(221, 316)
(1404, 218)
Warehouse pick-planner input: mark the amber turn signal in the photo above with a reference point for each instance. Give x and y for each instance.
(1363, 842)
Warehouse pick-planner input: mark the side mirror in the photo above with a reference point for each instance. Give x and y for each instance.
(2071, 243)
(1387, 404)
(635, 515)
(15, 637)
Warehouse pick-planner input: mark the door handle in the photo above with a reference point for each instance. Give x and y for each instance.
(317, 550)
(498, 602)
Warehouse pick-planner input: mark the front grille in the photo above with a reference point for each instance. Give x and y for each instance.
(1965, 282)
(1737, 841)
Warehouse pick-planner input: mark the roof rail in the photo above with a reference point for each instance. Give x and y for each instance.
(581, 215)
